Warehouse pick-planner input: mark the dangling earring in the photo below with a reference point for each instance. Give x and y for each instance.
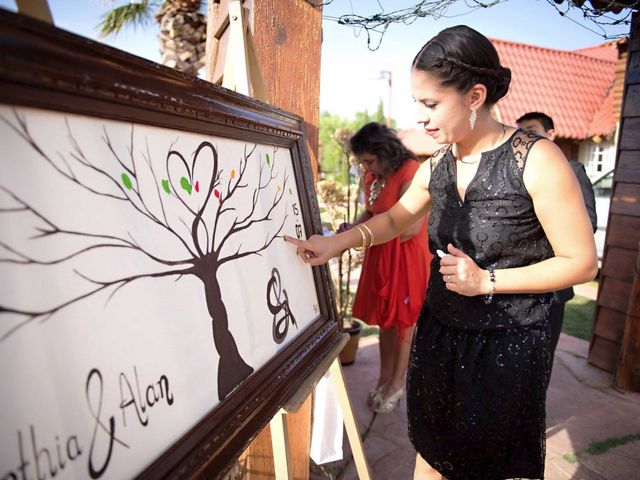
(472, 118)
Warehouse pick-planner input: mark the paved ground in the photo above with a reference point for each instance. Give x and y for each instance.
(583, 407)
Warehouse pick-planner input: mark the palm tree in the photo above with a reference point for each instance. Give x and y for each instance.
(182, 29)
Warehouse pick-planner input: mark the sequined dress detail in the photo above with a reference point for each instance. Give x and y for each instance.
(476, 382)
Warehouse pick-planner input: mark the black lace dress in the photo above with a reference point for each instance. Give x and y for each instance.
(477, 377)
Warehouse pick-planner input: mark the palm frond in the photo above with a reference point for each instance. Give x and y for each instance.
(134, 13)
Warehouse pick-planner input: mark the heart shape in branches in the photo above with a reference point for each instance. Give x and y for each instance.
(186, 179)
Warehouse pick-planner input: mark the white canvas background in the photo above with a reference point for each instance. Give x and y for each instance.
(159, 325)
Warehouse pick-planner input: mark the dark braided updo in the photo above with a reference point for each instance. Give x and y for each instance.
(460, 57)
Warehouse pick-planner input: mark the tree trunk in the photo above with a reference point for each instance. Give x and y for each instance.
(182, 38)
(232, 369)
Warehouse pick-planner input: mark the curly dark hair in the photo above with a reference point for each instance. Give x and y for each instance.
(461, 57)
(379, 140)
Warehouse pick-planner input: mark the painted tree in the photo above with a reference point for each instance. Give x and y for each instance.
(216, 207)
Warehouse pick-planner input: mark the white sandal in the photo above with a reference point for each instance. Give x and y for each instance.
(388, 404)
(375, 395)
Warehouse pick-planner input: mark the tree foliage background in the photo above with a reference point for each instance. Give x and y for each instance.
(333, 163)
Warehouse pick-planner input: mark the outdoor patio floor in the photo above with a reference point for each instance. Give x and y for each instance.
(582, 407)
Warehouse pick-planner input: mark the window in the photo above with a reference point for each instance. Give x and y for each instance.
(600, 160)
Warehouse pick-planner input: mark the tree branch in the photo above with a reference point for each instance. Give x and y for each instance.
(107, 140)
(215, 180)
(147, 159)
(53, 229)
(32, 315)
(221, 209)
(266, 245)
(241, 225)
(23, 132)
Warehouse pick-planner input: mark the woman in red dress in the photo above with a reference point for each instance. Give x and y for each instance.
(394, 277)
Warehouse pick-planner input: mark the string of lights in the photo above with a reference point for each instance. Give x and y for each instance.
(599, 14)
(319, 3)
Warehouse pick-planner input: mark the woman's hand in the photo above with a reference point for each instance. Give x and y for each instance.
(461, 274)
(316, 250)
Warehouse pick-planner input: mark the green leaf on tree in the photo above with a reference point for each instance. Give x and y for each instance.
(268, 159)
(165, 185)
(290, 192)
(184, 183)
(126, 181)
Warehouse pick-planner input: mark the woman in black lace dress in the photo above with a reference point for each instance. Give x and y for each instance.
(508, 225)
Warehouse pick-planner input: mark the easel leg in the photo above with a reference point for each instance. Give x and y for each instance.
(349, 421)
(38, 9)
(280, 444)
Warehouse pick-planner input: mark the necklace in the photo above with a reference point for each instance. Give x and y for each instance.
(497, 142)
(376, 187)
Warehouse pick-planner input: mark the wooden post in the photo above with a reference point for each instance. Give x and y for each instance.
(628, 372)
(288, 40)
(287, 37)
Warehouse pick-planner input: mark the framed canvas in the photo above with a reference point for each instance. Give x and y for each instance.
(152, 320)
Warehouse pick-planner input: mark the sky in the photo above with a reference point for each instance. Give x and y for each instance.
(350, 72)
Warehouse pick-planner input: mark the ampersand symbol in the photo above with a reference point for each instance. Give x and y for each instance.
(280, 303)
(110, 431)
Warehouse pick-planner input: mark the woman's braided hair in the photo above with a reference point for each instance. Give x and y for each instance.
(461, 57)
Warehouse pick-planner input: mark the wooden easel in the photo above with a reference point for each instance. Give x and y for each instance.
(242, 74)
(279, 438)
(241, 69)
(38, 9)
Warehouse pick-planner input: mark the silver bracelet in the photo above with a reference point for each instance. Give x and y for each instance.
(492, 286)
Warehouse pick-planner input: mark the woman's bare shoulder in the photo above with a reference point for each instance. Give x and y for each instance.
(546, 164)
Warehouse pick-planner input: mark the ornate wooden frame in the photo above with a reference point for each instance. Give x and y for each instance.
(45, 67)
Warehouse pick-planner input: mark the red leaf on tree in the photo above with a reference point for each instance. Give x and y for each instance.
(216, 193)
(197, 186)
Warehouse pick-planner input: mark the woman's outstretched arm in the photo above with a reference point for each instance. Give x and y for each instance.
(407, 211)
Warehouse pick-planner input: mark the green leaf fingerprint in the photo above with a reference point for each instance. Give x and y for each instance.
(268, 159)
(126, 181)
(165, 186)
(184, 183)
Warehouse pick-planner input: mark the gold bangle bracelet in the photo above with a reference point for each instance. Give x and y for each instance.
(371, 237)
(364, 238)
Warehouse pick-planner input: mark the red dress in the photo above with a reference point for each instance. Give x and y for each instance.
(394, 277)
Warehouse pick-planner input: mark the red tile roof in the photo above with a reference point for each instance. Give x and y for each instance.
(574, 88)
(605, 51)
